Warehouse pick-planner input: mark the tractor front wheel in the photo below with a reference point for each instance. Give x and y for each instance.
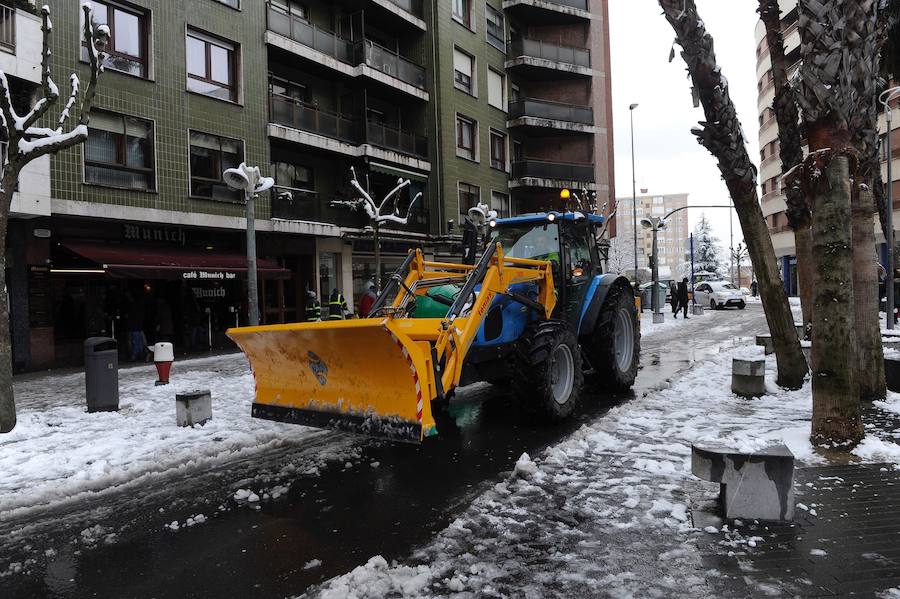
(614, 348)
(546, 371)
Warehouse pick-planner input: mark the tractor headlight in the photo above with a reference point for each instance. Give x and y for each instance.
(492, 223)
(551, 217)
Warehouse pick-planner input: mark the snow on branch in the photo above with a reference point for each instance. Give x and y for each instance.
(389, 208)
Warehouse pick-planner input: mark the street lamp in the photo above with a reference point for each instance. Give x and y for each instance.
(247, 179)
(634, 196)
(885, 98)
(655, 224)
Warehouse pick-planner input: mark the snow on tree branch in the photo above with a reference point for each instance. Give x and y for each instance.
(390, 203)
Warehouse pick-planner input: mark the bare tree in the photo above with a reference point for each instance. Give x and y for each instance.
(722, 135)
(827, 99)
(790, 143)
(621, 256)
(28, 141)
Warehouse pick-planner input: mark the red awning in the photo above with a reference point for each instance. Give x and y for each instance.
(171, 262)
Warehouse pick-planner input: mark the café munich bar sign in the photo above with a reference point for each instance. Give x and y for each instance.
(209, 275)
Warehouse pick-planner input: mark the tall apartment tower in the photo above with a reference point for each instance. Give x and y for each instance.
(672, 241)
(772, 200)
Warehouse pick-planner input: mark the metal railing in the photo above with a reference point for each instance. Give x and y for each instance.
(391, 138)
(307, 117)
(414, 7)
(290, 203)
(390, 63)
(580, 4)
(549, 51)
(546, 169)
(8, 28)
(309, 35)
(551, 110)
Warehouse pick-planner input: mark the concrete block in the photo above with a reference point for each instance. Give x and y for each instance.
(766, 342)
(758, 486)
(697, 310)
(748, 377)
(193, 408)
(659, 317)
(892, 373)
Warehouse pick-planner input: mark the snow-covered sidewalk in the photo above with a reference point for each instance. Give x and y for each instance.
(604, 513)
(58, 451)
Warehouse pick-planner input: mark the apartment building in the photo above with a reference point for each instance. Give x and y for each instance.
(672, 241)
(502, 102)
(772, 199)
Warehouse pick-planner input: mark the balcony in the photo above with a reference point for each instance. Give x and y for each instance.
(548, 11)
(390, 138)
(529, 112)
(354, 59)
(546, 173)
(539, 57)
(410, 11)
(8, 29)
(308, 117)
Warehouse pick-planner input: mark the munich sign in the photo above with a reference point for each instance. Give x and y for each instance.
(205, 274)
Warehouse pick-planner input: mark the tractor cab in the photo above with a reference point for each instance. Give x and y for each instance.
(566, 240)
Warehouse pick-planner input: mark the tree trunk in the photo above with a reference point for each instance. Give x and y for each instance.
(836, 407)
(7, 400)
(870, 354)
(722, 135)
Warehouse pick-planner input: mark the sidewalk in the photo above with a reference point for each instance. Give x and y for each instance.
(613, 510)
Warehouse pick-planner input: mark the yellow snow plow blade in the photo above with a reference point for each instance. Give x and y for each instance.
(362, 376)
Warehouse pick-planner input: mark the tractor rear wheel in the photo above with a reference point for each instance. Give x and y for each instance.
(546, 371)
(614, 349)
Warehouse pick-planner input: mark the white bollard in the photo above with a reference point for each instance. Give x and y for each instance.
(766, 342)
(193, 408)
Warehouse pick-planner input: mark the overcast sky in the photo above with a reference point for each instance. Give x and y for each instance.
(668, 158)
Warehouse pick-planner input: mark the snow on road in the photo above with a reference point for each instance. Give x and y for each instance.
(58, 451)
(604, 513)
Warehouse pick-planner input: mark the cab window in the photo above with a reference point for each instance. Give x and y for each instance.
(534, 243)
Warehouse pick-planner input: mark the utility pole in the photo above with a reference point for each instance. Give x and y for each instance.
(634, 198)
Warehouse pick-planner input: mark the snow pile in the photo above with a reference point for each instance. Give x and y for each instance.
(600, 509)
(58, 451)
(874, 449)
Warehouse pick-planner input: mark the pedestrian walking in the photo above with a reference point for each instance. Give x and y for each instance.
(367, 300)
(313, 310)
(683, 296)
(337, 305)
(754, 288)
(673, 297)
(136, 327)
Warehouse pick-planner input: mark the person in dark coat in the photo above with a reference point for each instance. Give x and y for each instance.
(683, 296)
(673, 297)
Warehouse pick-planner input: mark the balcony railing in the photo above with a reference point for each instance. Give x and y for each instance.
(551, 110)
(290, 203)
(307, 117)
(7, 28)
(390, 138)
(545, 169)
(390, 63)
(309, 35)
(413, 7)
(580, 4)
(550, 51)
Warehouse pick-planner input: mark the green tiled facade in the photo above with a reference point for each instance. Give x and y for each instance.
(164, 99)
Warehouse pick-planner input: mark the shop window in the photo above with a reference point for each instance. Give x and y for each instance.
(210, 156)
(129, 34)
(466, 134)
(211, 66)
(463, 71)
(119, 152)
(469, 196)
(498, 150)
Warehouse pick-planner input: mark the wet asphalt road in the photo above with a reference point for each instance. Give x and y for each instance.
(367, 498)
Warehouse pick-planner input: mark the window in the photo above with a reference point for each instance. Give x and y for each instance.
(500, 203)
(462, 12)
(496, 89)
(128, 37)
(463, 71)
(495, 27)
(119, 152)
(469, 196)
(231, 3)
(498, 150)
(466, 134)
(211, 66)
(210, 156)
(293, 176)
(659, 200)
(290, 7)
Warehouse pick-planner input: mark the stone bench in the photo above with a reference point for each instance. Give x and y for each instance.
(193, 408)
(748, 376)
(766, 342)
(753, 486)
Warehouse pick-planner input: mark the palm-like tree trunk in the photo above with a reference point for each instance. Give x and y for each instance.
(721, 134)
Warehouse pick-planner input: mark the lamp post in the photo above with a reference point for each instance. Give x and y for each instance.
(634, 196)
(655, 223)
(885, 99)
(247, 179)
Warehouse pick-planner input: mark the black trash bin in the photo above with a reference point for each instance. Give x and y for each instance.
(101, 374)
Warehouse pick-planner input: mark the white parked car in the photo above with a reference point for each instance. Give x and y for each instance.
(718, 295)
(745, 291)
